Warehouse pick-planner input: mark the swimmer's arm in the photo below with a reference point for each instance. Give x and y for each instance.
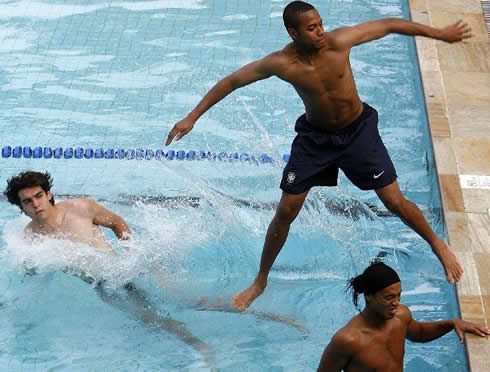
(104, 217)
(254, 71)
(338, 353)
(428, 331)
(372, 30)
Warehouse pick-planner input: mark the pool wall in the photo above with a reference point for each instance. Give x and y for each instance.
(456, 79)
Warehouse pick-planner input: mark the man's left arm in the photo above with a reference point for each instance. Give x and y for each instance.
(372, 30)
(106, 218)
(428, 331)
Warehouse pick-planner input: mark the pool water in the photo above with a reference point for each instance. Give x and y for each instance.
(119, 75)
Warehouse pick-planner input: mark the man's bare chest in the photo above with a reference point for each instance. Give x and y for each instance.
(318, 78)
(381, 352)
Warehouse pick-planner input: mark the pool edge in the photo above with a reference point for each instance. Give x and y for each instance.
(460, 149)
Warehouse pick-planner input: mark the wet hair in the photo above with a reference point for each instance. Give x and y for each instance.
(291, 12)
(24, 180)
(376, 277)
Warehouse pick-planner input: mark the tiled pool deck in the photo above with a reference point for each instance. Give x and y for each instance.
(456, 79)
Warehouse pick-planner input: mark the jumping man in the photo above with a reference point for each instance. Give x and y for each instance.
(337, 131)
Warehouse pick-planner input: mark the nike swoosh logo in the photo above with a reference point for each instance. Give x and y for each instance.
(378, 175)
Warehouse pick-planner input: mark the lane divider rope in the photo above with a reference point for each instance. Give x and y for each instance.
(17, 152)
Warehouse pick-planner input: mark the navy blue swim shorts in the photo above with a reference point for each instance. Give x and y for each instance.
(356, 149)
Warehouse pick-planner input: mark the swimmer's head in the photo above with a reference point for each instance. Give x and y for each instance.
(381, 287)
(28, 180)
(304, 25)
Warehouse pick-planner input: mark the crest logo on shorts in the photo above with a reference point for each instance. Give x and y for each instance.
(291, 177)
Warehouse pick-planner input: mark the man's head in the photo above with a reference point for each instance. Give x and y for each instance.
(31, 192)
(304, 25)
(381, 287)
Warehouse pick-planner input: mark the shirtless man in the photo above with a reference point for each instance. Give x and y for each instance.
(77, 220)
(374, 340)
(337, 130)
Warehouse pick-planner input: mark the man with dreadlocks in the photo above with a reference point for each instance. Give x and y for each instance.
(374, 340)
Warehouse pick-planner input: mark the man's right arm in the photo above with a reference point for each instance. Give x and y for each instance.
(337, 354)
(254, 71)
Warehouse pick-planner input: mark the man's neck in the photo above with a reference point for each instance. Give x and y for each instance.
(306, 53)
(372, 318)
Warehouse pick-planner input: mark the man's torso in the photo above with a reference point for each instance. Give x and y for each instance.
(325, 84)
(380, 350)
(73, 223)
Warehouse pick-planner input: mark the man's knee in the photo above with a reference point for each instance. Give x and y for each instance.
(395, 204)
(286, 213)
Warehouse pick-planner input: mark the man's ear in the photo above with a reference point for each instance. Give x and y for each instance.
(50, 196)
(293, 33)
(368, 298)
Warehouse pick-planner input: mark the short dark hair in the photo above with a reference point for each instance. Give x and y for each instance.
(377, 276)
(24, 180)
(291, 12)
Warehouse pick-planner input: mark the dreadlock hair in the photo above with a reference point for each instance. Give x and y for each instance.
(376, 277)
(291, 12)
(24, 180)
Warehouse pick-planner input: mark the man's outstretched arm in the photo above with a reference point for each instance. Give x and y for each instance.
(428, 331)
(372, 30)
(254, 71)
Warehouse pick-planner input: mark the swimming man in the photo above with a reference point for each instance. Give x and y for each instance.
(79, 220)
(337, 130)
(374, 340)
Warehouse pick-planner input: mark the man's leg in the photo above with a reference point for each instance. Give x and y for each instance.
(137, 304)
(410, 214)
(278, 230)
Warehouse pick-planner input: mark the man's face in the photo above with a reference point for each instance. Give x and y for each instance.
(309, 31)
(35, 202)
(386, 302)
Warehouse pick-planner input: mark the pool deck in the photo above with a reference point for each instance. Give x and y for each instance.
(456, 79)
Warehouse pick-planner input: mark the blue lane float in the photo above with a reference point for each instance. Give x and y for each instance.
(131, 154)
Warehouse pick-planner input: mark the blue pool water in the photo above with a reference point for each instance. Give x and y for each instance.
(94, 73)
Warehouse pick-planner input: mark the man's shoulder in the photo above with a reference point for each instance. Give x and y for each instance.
(347, 338)
(404, 313)
(338, 38)
(281, 57)
(76, 202)
(79, 205)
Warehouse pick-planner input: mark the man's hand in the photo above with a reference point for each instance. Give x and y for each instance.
(180, 130)
(456, 32)
(461, 327)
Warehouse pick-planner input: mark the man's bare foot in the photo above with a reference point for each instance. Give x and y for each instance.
(243, 299)
(451, 264)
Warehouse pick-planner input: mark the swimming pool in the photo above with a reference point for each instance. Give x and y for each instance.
(119, 74)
